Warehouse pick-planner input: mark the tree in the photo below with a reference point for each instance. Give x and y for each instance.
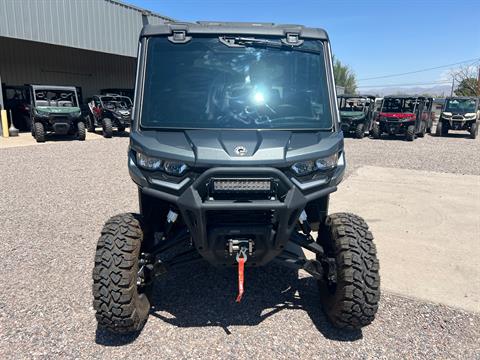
(344, 76)
(466, 79)
(467, 87)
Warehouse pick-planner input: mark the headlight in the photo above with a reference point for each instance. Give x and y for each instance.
(327, 163)
(39, 112)
(304, 167)
(470, 115)
(176, 168)
(447, 114)
(307, 167)
(147, 162)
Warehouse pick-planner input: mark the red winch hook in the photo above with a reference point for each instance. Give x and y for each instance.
(241, 260)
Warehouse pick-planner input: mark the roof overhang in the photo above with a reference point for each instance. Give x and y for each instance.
(52, 87)
(223, 28)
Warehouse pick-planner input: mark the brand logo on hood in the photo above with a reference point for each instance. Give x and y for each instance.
(240, 150)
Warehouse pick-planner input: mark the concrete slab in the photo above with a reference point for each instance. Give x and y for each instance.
(426, 227)
(25, 139)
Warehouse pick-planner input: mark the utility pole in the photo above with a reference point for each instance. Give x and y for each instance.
(453, 85)
(478, 81)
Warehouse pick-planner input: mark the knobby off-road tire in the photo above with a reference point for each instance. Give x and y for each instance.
(81, 131)
(107, 128)
(352, 302)
(360, 131)
(474, 130)
(118, 304)
(90, 123)
(441, 130)
(376, 131)
(410, 133)
(39, 132)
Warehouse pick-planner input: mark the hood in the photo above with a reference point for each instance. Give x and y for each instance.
(351, 114)
(397, 115)
(223, 147)
(459, 112)
(58, 109)
(122, 112)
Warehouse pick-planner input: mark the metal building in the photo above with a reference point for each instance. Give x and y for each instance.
(91, 44)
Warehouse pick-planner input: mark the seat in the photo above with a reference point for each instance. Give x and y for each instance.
(40, 99)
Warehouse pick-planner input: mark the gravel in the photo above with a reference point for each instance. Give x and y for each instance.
(456, 153)
(54, 200)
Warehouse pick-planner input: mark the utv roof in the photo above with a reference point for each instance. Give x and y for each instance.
(243, 28)
(356, 96)
(463, 97)
(406, 97)
(53, 87)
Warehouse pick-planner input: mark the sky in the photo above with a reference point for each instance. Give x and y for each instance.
(375, 38)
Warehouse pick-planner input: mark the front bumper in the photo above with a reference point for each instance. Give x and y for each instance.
(60, 124)
(458, 123)
(394, 127)
(122, 121)
(212, 223)
(348, 125)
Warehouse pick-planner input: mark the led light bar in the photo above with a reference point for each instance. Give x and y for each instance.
(262, 185)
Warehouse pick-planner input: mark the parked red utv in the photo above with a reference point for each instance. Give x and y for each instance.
(409, 116)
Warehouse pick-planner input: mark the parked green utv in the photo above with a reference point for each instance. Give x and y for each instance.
(55, 109)
(356, 114)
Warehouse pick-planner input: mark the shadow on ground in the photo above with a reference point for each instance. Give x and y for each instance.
(202, 295)
(459, 135)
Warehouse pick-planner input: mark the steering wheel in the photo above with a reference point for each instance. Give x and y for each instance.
(233, 102)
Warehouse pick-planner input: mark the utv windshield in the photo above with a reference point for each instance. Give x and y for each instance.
(121, 102)
(461, 106)
(352, 104)
(55, 98)
(208, 84)
(399, 105)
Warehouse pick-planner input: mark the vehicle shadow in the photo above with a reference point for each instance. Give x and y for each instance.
(388, 138)
(462, 135)
(58, 138)
(116, 134)
(203, 296)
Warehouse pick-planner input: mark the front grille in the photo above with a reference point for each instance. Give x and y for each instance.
(239, 217)
(59, 119)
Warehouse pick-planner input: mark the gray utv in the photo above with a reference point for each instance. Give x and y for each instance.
(235, 147)
(459, 113)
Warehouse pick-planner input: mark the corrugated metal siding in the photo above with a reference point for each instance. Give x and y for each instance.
(35, 63)
(101, 25)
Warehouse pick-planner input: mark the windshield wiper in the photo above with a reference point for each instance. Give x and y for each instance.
(239, 41)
